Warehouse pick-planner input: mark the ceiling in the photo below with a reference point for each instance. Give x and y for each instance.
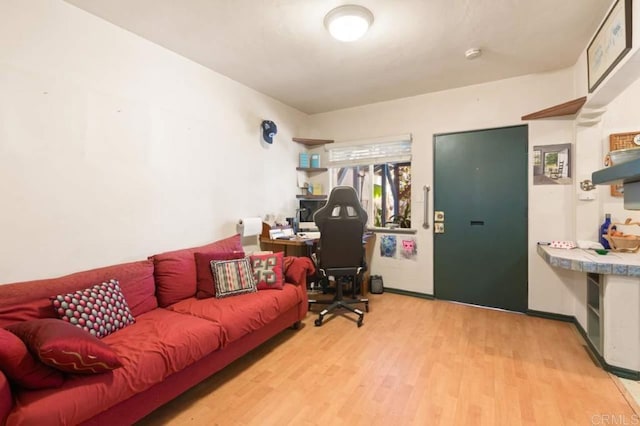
(281, 48)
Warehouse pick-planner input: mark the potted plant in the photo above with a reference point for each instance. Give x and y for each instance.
(402, 220)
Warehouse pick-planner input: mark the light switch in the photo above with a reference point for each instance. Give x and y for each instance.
(438, 216)
(438, 228)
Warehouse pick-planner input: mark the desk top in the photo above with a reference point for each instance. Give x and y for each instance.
(295, 241)
(300, 241)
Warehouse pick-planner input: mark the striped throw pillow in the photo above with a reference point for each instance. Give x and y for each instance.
(233, 277)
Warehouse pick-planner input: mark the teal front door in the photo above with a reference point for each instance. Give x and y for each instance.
(480, 186)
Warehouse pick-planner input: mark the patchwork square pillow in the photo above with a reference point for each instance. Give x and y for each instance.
(267, 270)
(100, 310)
(206, 285)
(233, 277)
(22, 368)
(64, 347)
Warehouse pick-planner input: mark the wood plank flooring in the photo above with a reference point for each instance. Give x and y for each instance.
(414, 362)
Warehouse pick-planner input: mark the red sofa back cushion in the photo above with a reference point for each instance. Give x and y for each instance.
(175, 271)
(31, 299)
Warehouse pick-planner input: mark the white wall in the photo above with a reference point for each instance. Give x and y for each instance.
(489, 105)
(113, 148)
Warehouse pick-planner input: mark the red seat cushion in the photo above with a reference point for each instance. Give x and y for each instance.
(160, 343)
(242, 314)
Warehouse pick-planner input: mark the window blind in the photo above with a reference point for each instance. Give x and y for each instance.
(372, 151)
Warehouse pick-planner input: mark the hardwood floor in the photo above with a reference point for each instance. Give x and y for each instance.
(414, 362)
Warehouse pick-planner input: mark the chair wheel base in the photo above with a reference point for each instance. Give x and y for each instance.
(339, 303)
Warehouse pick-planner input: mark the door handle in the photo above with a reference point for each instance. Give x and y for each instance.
(426, 190)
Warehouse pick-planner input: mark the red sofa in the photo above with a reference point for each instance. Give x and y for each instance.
(176, 341)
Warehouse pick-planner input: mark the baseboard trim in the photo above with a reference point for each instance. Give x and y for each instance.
(551, 315)
(409, 293)
(613, 369)
(625, 373)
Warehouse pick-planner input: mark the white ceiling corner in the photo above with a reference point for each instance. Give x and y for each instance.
(281, 48)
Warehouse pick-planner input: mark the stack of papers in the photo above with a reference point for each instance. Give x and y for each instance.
(280, 233)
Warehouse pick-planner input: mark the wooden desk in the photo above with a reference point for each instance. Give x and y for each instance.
(305, 247)
(295, 247)
(369, 244)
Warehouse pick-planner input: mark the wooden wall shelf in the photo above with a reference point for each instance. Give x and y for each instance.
(312, 169)
(560, 110)
(311, 197)
(312, 142)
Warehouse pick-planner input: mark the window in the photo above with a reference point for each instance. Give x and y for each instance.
(380, 172)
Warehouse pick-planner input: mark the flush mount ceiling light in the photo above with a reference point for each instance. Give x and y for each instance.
(348, 22)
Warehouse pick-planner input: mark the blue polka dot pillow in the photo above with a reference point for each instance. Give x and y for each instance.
(99, 310)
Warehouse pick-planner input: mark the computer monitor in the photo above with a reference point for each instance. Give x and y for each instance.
(307, 209)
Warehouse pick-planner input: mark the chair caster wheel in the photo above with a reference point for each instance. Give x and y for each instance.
(318, 322)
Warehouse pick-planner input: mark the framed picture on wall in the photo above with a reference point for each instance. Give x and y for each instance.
(552, 164)
(611, 42)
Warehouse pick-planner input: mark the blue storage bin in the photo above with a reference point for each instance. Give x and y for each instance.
(304, 160)
(315, 160)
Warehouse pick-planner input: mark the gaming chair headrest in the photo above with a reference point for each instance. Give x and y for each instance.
(342, 203)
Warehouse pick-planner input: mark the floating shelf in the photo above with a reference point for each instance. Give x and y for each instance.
(626, 173)
(312, 169)
(560, 110)
(311, 197)
(312, 142)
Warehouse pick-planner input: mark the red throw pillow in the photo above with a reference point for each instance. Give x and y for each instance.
(20, 366)
(66, 347)
(206, 283)
(267, 270)
(99, 310)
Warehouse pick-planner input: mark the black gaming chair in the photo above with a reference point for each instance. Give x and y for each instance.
(341, 252)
